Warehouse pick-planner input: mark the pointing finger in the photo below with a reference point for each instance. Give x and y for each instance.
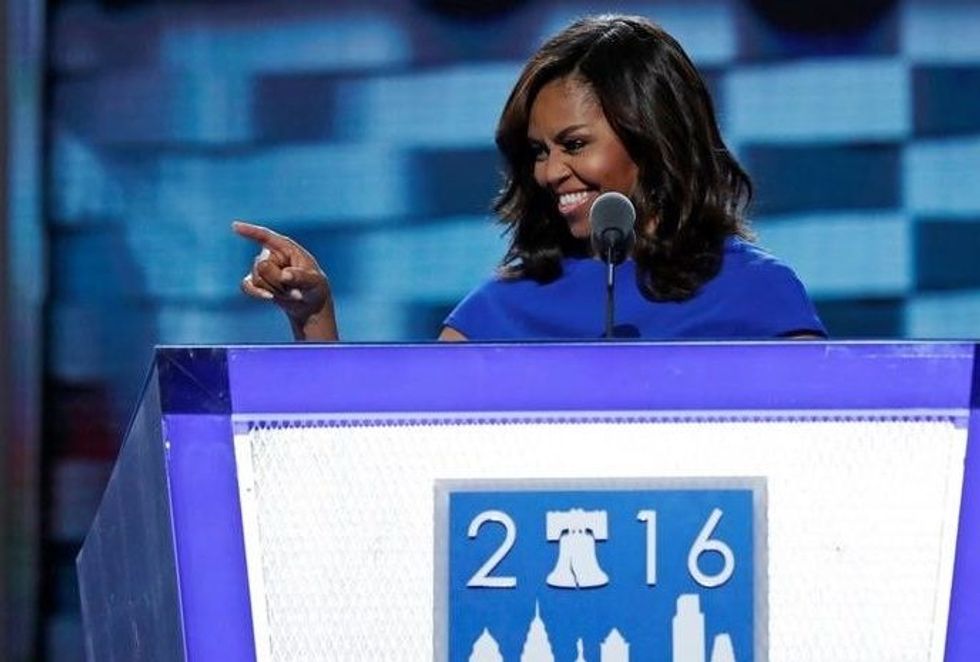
(263, 235)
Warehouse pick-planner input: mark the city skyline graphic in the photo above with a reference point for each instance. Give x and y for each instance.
(688, 640)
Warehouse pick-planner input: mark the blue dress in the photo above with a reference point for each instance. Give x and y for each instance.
(754, 296)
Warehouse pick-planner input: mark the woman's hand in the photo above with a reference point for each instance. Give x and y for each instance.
(286, 273)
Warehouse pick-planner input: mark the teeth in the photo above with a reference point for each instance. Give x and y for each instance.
(571, 199)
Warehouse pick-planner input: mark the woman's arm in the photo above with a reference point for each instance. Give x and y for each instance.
(449, 334)
(287, 274)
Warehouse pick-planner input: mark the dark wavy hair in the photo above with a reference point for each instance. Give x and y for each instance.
(691, 191)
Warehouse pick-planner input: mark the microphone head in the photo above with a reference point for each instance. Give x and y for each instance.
(611, 217)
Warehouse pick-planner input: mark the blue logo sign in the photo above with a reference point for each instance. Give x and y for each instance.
(544, 575)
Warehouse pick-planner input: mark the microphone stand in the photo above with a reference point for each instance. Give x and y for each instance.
(610, 288)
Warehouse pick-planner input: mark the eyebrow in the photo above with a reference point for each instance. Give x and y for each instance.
(563, 134)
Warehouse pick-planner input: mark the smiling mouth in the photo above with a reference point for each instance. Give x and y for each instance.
(568, 203)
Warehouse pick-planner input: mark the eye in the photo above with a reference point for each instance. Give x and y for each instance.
(537, 151)
(573, 145)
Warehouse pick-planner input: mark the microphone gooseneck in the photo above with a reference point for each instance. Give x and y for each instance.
(611, 218)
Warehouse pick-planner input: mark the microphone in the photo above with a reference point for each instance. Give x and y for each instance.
(611, 217)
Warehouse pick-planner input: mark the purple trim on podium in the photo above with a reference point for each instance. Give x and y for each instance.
(208, 533)
(963, 633)
(693, 377)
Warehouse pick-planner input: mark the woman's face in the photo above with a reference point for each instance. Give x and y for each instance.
(577, 155)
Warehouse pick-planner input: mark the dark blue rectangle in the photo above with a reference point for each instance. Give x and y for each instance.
(863, 317)
(946, 100)
(454, 182)
(815, 177)
(295, 107)
(946, 254)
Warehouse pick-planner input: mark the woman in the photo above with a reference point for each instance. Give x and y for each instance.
(612, 103)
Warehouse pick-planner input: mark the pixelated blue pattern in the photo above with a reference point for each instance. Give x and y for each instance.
(825, 176)
(957, 242)
(764, 38)
(947, 100)
(705, 28)
(943, 176)
(832, 264)
(941, 31)
(156, 107)
(944, 315)
(819, 101)
(452, 107)
(366, 130)
(278, 38)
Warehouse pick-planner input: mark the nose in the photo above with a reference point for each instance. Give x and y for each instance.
(555, 169)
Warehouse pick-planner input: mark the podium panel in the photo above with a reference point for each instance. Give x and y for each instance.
(684, 502)
(341, 524)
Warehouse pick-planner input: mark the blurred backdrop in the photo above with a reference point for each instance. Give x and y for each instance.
(136, 131)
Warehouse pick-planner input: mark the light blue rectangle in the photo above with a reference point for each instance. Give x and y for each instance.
(944, 315)
(234, 322)
(819, 100)
(940, 31)
(942, 177)
(448, 258)
(844, 253)
(316, 41)
(178, 258)
(452, 107)
(347, 181)
(376, 318)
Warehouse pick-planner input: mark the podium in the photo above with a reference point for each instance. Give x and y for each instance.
(694, 501)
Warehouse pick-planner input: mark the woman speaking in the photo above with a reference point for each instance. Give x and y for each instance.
(611, 103)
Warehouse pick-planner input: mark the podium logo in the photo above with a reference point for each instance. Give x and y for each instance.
(666, 575)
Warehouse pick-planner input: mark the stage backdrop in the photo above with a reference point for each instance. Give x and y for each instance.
(365, 129)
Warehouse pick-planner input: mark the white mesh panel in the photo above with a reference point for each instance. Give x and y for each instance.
(861, 523)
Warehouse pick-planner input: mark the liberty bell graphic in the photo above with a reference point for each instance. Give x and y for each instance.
(576, 531)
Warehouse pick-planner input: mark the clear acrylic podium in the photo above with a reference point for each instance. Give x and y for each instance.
(277, 502)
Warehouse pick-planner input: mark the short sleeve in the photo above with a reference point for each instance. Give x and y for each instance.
(776, 300)
(475, 316)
